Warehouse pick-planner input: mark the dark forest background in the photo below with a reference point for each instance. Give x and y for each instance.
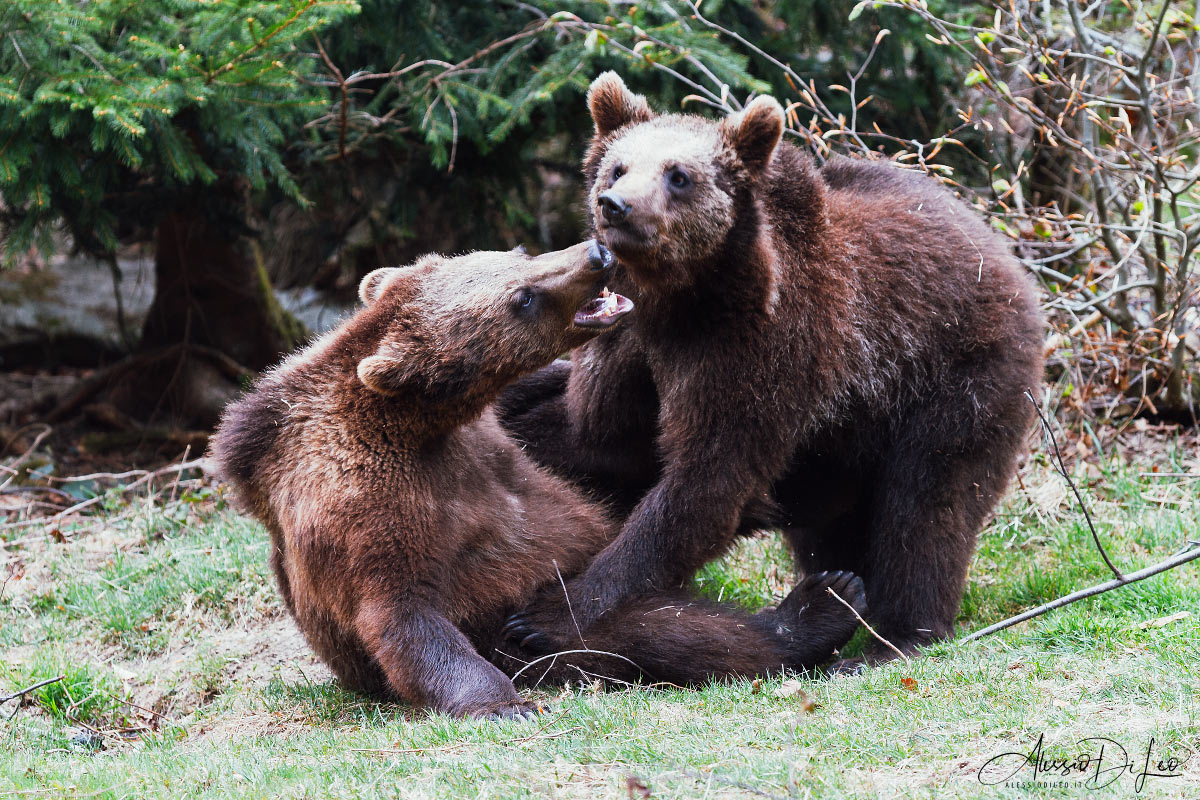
(248, 148)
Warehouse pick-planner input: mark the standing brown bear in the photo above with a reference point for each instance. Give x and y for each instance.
(405, 524)
(839, 353)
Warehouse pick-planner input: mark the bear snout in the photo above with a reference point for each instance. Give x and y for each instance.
(599, 256)
(614, 207)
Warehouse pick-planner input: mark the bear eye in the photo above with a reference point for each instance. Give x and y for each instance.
(618, 171)
(522, 300)
(678, 178)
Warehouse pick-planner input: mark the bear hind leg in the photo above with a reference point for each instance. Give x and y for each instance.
(681, 639)
(931, 502)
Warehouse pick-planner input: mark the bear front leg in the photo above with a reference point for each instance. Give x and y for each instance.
(593, 422)
(715, 464)
(428, 661)
(683, 523)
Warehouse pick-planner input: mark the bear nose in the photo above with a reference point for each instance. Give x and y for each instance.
(614, 208)
(599, 256)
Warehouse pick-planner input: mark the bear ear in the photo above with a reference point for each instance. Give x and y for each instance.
(613, 106)
(754, 132)
(372, 285)
(389, 370)
(397, 368)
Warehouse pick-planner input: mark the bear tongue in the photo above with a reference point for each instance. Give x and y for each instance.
(602, 311)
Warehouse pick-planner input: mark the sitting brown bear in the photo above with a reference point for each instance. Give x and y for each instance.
(406, 525)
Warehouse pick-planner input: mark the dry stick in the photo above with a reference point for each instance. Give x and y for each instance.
(1190, 554)
(182, 466)
(12, 467)
(187, 451)
(1061, 468)
(866, 624)
(631, 662)
(567, 596)
(28, 689)
(146, 475)
(142, 708)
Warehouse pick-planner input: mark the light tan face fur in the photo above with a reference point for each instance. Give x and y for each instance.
(669, 223)
(459, 326)
(678, 174)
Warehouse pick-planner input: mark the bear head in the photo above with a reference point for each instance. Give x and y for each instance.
(457, 330)
(665, 189)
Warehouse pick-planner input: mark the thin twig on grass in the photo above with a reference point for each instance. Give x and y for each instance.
(12, 466)
(567, 597)
(150, 711)
(134, 473)
(187, 451)
(28, 689)
(145, 477)
(1061, 468)
(1190, 553)
(538, 660)
(866, 624)
(35, 490)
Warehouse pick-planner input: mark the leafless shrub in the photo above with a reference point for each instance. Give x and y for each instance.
(1089, 113)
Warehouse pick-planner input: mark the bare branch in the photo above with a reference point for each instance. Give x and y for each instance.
(1191, 553)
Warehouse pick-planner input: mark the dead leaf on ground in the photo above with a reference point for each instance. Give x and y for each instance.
(634, 784)
(796, 689)
(909, 683)
(790, 689)
(1161, 621)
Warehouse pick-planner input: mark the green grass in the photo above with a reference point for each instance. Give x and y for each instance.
(175, 610)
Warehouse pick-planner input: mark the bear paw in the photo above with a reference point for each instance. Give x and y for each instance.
(817, 623)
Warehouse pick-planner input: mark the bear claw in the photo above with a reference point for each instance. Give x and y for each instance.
(524, 712)
(520, 630)
(846, 585)
(515, 625)
(535, 641)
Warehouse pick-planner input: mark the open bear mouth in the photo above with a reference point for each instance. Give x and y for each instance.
(602, 311)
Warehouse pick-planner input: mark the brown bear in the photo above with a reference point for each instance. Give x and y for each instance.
(406, 524)
(840, 353)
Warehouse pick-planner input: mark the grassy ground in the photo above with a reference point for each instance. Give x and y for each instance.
(165, 621)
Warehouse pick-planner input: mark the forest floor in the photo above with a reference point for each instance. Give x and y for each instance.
(184, 677)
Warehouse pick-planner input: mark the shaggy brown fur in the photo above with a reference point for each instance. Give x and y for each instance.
(405, 524)
(840, 353)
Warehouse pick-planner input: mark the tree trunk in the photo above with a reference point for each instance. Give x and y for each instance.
(213, 319)
(212, 291)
